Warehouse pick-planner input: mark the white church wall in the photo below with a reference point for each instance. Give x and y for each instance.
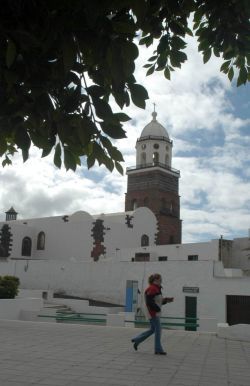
(72, 240)
(19, 231)
(205, 251)
(120, 236)
(106, 281)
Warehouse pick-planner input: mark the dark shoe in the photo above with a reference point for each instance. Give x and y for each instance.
(160, 353)
(135, 345)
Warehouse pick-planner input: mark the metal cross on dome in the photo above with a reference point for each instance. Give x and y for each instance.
(154, 113)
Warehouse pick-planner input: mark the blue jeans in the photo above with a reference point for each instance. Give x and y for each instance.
(155, 327)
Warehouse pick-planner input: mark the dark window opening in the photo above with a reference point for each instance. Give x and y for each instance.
(134, 204)
(41, 241)
(162, 258)
(171, 240)
(155, 158)
(26, 246)
(142, 257)
(192, 257)
(163, 203)
(143, 159)
(144, 241)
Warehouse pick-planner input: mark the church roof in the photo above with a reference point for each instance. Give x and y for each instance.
(154, 129)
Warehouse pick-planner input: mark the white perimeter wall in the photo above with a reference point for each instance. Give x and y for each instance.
(107, 281)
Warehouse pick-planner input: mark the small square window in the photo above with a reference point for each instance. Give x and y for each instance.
(192, 257)
(162, 258)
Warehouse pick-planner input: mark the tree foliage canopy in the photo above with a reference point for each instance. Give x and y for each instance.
(62, 62)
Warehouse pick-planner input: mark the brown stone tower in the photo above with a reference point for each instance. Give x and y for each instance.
(154, 183)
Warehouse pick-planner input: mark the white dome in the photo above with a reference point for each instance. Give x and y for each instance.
(154, 129)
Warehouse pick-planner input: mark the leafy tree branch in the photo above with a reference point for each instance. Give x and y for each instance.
(62, 61)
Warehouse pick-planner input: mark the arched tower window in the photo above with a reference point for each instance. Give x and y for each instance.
(171, 239)
(143, 159)
(155, 158)
(167, 159)
(145, 201)
(26, 246)
(41, 241)
(144, 241)
(134, 204)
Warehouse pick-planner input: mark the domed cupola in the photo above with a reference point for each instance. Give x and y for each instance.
(154, 146)
(154, 129)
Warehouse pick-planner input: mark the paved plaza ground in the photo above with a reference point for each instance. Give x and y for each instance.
(52, 354)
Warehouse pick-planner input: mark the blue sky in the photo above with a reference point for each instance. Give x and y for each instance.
(208, 119)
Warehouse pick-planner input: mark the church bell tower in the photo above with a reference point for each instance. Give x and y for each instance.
(154, 183)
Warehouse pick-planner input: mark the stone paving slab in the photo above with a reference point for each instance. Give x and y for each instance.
(49, 354)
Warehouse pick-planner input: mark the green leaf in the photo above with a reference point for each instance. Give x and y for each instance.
(177, 43)
(25, 154)
(90, 161)
(96, 91)
(106, 142)
(189, 31)
(242, 78)
(198, 14)
(85, 130)
(129, 50)
(167, 73)
(115, 154)
(113, 130)
(150, 70)
(163, 44)
(240, 61)
(207, 55)
(98, 151)
(108, 163)
(138, 95)
(3, 145)
(69, 159)
(229, 54)
(11, 53)
(203, 46)
(22, 138)
(152, 59)
(102, 108)
(231, 74)
(57, 156)
(119, 168)
(122, 117)
(46, 151)
(6, 161)
(216, 52)
(174, 59)
(147, 40)
(225, 66)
